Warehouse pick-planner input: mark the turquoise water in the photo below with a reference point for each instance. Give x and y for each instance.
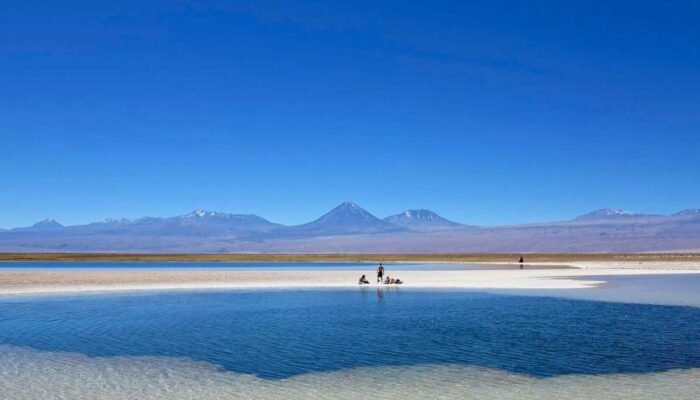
(671, 289)
(321, 343)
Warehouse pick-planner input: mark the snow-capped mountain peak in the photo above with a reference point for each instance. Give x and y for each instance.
(422, 214)
(608, 213)
(115, 221)
(421, 219)
(199, 213)
(688, 212)
(348, 205)
(614, 212)
(218, 215)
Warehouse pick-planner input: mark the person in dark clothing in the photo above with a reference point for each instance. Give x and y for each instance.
(363, 281)
(380, 272)
(392, 281)
(521, 262)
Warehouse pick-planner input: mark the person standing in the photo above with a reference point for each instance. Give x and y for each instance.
(380, 273)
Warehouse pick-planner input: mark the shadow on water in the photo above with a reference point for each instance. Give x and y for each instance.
(279, 334)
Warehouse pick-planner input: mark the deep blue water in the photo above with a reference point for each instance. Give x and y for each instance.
(278, 334)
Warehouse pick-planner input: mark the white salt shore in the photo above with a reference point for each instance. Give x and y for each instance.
(48, 281)
(28, 374)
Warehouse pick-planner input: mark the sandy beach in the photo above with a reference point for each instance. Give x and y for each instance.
(61, 281)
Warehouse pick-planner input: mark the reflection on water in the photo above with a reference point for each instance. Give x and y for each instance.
(283, 334)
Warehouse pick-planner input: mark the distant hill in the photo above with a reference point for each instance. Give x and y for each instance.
(610, 214)
(198, 222)
(45, 225)
(688, 213)
(422, 219)
(347, 218)
(208, 222)
(348, 228)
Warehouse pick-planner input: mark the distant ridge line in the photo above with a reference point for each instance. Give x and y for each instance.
(348, 228)
(200, 213)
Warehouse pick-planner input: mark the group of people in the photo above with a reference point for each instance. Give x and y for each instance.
(380, 278)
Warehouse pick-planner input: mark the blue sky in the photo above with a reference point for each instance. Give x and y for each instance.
(486, 112)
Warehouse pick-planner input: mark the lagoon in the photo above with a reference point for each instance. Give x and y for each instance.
(296, 343)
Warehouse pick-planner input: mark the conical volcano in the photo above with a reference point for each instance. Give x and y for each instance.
(347, 218)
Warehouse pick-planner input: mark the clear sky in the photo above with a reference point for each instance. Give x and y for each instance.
(487, 112)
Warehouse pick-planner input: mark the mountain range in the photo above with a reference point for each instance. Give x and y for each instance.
(350, 228)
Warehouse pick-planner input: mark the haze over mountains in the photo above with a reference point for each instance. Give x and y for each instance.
(350, 228)
(422, 220)
(346, 219)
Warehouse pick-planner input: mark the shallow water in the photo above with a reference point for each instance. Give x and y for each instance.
(360, 343)
(27, 374)
(244, 266)
(671, 289)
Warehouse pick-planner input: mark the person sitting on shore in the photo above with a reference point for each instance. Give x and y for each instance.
(392, 281)
(363, 281)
